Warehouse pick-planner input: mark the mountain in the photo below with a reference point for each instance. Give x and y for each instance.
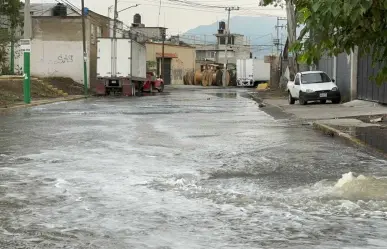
(259, 30)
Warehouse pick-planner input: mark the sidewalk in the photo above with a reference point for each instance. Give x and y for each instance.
(41, 102)
(363, 123)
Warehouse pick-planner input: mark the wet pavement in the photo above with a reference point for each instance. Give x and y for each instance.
(185, 169)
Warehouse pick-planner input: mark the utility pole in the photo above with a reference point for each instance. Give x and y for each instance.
(277, 42)
(228, 9)
(162, 54)
(114, 41)
(115, 19)
(26, 48)
(85, 87)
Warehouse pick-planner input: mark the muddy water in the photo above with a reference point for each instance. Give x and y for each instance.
(184, 170)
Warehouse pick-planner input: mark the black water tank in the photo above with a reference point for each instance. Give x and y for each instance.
(59, 10)
(222, 25)
(137, 18)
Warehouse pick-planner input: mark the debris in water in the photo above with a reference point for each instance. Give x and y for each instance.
(376, 120)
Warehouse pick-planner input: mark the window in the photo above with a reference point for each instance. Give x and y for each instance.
(99, 32)
(312, 78)
(210, 54)
(92, 34)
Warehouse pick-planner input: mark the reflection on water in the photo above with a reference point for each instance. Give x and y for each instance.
(232, 95)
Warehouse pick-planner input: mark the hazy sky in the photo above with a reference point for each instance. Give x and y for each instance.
(174, 14)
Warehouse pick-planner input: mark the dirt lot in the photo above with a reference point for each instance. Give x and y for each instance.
(11, 91)
(66, 84)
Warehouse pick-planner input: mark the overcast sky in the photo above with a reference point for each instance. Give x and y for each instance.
(174, 14)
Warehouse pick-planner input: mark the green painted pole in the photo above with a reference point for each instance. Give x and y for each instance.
(84, 46)
(85, 76)
(27, 78)
(12, 69)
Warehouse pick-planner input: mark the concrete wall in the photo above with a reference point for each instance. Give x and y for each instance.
(149, 32)
(239, 40)
(185, 61)
(231, 56)
(57, 46)
(57, 59)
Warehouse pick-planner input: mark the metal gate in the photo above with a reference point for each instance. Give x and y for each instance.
(167, 70)
(367, 89)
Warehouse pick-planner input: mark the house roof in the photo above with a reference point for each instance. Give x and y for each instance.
(171, 44)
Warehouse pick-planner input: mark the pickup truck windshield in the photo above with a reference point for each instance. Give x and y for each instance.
(312, 78)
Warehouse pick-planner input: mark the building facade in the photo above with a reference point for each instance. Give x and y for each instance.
(57, 47)
(178, 60)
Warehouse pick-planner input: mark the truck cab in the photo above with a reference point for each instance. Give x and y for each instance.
(153, 83)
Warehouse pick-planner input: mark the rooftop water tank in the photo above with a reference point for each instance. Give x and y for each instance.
(59, 10)
(137, 19)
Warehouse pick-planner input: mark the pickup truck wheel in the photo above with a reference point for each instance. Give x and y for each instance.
(302, 101)
(291, 100)
(323, 101)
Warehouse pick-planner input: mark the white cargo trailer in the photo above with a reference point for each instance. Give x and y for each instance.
(121, 66)
(251, 72)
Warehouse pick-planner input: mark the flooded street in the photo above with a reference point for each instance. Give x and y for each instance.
(186, 169)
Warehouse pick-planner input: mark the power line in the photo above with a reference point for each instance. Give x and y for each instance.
(203, 8)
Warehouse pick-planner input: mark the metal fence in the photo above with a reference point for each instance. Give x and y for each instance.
(367, 89)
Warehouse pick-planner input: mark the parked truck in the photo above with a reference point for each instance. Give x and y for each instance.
(251, 72)
(121, 66)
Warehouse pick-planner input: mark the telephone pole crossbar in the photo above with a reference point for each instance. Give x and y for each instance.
(228, 9)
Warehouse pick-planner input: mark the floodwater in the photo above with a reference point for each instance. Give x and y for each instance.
(188, 169)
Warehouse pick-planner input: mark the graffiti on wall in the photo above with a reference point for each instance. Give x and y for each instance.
(64, 58)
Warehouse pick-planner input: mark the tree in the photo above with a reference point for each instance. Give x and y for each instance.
(10, 21)
(336, 26)
(289, 5)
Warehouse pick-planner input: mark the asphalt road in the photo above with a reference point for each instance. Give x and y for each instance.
(185, 169)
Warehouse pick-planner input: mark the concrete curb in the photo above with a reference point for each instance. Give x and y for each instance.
(42, 102)
(326, 129)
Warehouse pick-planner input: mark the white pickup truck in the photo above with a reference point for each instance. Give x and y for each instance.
(313, 86)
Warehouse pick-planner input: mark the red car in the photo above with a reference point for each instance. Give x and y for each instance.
(153, 83)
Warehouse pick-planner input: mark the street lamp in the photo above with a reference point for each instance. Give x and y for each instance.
(112, 6)
(133, 6)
